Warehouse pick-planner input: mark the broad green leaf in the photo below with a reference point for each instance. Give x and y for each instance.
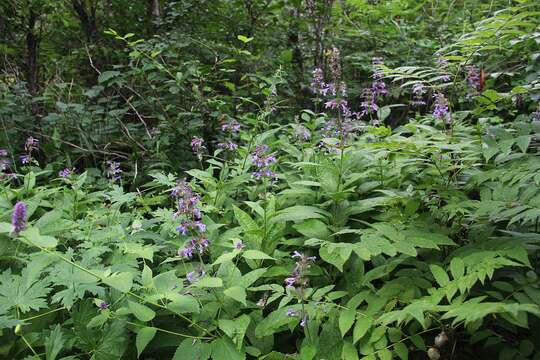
(346, 320)
(33, 236)
(144, 336)
(54, 343)
(401, 351)
(297, 213)
(183, 304)
(256, 255)
(237, 293)
(193, 350)
(120, 281)
(209, 282)
(5, 227)
(349, 352)
(141, 312)
(363, 324)
(223, 348)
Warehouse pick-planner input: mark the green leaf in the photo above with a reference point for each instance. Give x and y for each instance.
(401, 351)
(256, 255)
(144, 336)
(385, 354)
(346, 320)
(32, 235)
(349, 352)
(457, 267)
(244, 38)
(297, 213)
(183, 304)
(141, 312)
(54, 343)
(188, 350)
(223, 348)
(363, 324)
(120, 281)
(313, 228)
(5, 228)
(439, 274)
(209, 282)
(225, 257)
(237, 293)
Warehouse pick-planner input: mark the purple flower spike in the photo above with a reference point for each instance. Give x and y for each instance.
(18, 218)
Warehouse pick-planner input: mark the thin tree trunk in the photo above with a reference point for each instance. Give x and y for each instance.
(32, 46)
(87, 17)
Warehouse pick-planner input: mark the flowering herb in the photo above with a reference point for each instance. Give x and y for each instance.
(113, 171)
(18, 218)
(262, 161)
(190, 223)
(65, 173)
(298, 277)
(440, 108)
(473, 80)
(197, 145)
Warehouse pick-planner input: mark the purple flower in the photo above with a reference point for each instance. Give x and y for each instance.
(65, 172)
(3, 152)
(262, 161)
(186, 253)
(190, 276)
(335, 63)
(229, 145)
(368, 104)
(113, 170)
(103, 305)
(291, 312)
(3, 164)
(183, 227)
(303, 323)
(440, 109)
(31, 144)
(25, 159)
(535, 116)
(473, 80)
(197, 145)
(18, 218)
(238, 245)
(378, 86)
(201, 226)
(298, 277)
(302, 133)
(231, 126)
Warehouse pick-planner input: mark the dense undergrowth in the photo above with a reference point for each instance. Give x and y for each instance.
(394, 217)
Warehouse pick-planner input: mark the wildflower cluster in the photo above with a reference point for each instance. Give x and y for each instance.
(440, 109)
(231, 128)
(65, 173)
(298, 278)
(18, 218)
(262, 161)
(197, 145)
(376, 90)
(473, 80)
(114, 172)
(190, 223)
(30, 146)
(535, 116)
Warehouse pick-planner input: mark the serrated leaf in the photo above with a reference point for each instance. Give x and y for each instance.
(457, 267)
(439, 274)
(120, 281)
(223, 348)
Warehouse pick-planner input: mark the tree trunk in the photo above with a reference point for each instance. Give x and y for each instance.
(87, 17)
(32, 45)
